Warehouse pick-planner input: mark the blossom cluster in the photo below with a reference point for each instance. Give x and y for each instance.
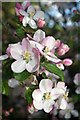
(30, 54)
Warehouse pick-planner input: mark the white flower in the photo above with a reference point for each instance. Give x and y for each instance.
(26, 57)
(31, 16)
(68, 111)
(61, 91)
(44, 97)
(77, 83)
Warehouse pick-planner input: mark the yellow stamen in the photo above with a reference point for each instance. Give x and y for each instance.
(47, 96)
(46, 50)
(27, 56)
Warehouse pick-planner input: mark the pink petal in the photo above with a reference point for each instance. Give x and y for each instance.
(26, 45)
(61, 51)
(67, 62)
(37, 95)
(61, 85)
(18, 5)
(57, 43)
(45, 85)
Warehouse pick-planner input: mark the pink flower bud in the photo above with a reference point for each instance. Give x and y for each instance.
(61, 51)
(65, 47)
(67, 62)
(57, 43)
(41, 23)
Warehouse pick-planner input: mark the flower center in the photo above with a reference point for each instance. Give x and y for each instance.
(31, 14)
(27, 56)
(46, 49)
(47, 96)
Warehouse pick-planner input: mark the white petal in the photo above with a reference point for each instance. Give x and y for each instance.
(52, 59)
(25, 21)
(78, 90)
(39, 35)
(37, 95)
(61, 85)
(62, 112)
(23, 13)
(16, 51)
(67, 115)
(56, 92)
(39, 14)
(48, 106)
(32, 24)
(31, 9)
(32, 65)
(3, 57)
(63, 104)
(38, 104)
(18, 66)
(60, 66)
(45, 85)
(49, 42)
(75, 113)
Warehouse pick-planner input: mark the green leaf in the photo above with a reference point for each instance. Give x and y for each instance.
(22, 76)
(5, 87)
(53, 69)
(28, 95)
(20, 32)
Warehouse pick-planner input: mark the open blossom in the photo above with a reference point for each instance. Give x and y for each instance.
(46, 45)
(68, 111)
(22, 6)
(31, 16)
(44, 97)
(26, 57)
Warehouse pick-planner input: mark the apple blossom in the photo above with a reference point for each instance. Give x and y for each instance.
(68, 111)
(46, 45)
(26, 57)
(22, 6)
(44, 97)
(31, 16)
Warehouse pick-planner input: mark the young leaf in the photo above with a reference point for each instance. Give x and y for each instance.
(22, 76)
(53, 69)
